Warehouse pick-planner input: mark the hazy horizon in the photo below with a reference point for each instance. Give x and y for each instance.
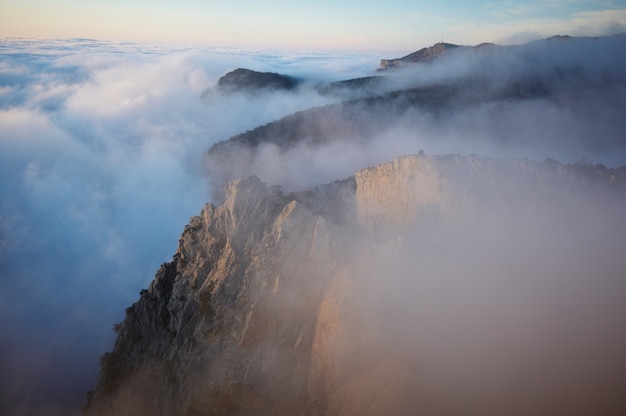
(399, 25)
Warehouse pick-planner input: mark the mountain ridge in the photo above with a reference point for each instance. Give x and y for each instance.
(432, 283)
(499, 82)
(274, 303)
(420, 56)
(431, 53)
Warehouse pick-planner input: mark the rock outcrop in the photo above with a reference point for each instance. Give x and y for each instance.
(249, 81)
(436, 285)
(421, 56)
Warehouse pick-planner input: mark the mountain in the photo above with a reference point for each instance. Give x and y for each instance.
(249, 81)
(361, 120)
(429, 284)
(432, 53)
(488, 92)
(423, 55)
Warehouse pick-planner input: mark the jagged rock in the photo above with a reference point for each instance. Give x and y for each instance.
(418, 286)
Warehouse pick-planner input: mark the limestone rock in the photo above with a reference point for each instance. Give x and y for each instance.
(435, 285)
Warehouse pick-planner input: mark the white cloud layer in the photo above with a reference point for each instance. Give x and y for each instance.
(100, 153)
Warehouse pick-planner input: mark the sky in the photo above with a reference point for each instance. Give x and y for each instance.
(101, 141)
(363, 24)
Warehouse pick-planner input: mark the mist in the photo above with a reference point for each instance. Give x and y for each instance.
(452, 285)
(101, 147)
(548, 99)
(518, 314)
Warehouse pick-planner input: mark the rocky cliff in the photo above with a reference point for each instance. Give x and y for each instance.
(423, 55)
(438, 285)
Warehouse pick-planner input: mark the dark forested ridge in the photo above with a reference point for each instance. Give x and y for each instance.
(559, 74)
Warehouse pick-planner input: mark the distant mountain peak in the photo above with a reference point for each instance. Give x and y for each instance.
(242, 79)
(439, 49)
(423, 55)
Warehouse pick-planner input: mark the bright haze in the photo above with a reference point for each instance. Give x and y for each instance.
(395, 24)
(101, 141)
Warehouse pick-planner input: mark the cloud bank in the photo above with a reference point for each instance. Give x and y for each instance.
(102, 163)
(561, 99)
(100, 148)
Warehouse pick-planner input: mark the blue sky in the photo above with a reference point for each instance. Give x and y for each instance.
(366, 24)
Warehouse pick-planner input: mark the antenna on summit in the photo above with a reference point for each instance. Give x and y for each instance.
(441, 39)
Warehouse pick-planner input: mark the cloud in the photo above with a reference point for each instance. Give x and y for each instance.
(512, 309)
(101, 150)
(517, 25)
(550, 99)
(101, 162)
(599, 22)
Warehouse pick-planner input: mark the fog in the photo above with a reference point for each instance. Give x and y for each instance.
(516, 309)
(101, 149)
(549, 99)
(519, 313)
(103, 162)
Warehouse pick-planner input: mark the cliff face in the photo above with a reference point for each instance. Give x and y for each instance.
(421, 285)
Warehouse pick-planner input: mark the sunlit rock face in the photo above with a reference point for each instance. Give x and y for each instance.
(393, 193)
(436, 285)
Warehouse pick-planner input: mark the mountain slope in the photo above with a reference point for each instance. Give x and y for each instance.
(421, 56)
(424, 285)
(438, 50)
(552, 97)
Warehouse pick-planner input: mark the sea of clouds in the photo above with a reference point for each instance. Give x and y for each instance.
(102, 162)
(101, 149)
